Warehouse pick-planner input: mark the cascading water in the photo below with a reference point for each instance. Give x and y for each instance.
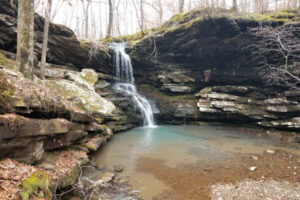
(125, 82)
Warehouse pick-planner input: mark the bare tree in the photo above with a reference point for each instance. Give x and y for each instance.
(86, 17)
(25, 43)
(158, 7)
(142, 15)
(111, 18)
(261, 6)
(140, 19)
(280, 49)
(234, 5)
(181, 6)
(45, 39)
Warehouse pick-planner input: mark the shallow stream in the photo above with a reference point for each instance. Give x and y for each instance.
(182, 162)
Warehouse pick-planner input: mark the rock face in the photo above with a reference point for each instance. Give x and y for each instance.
(248, 104)
(192, 53)
(176, 81)
(35, 118)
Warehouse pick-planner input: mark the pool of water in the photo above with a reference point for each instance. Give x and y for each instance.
(179, 147)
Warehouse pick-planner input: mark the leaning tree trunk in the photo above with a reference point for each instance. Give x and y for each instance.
(45, 39)
(111, 19)
(25, 41)
(181, 6)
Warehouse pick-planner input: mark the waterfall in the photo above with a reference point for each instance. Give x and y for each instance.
(125, 82)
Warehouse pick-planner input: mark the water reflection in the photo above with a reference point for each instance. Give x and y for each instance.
(175, 146)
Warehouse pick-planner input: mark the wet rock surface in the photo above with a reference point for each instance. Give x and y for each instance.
(97, 183)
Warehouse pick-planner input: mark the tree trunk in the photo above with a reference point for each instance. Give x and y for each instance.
(234, 5)
(142, 15)
(87, 20)
(161, 13)
(111, 18)
(25, 41)
(45, 39)
(181, 6)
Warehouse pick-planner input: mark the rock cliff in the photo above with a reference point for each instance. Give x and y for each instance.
(209, 51)
(51, 125)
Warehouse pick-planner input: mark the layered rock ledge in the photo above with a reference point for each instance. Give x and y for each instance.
(248, 104)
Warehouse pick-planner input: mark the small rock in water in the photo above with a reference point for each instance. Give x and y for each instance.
(252, 169)
(118, 168)
(270, 151)
(254, 157)
(101, 167)
(107, 177)
(298, 139)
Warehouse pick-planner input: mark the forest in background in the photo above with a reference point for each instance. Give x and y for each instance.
(97, 19)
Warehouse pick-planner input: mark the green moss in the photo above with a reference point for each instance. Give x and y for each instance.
(70, 178)
(91, 147)
(108, 131)
(38, 180)
(130, 39)
(84, 45)
(89, 76)
(280, 16)
(4, 61)
(176, 19)
(6, 92)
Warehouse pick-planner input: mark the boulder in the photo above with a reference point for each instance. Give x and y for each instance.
(89, 75)
(89, 101)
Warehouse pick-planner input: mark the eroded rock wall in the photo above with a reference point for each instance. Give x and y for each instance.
(212, 54)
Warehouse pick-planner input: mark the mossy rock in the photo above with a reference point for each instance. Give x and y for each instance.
(6, 62)
(89, 75)
(6, 92)
(88, 100)
(38, 180)
(278, 16)
(85, 45)
(70, 178)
